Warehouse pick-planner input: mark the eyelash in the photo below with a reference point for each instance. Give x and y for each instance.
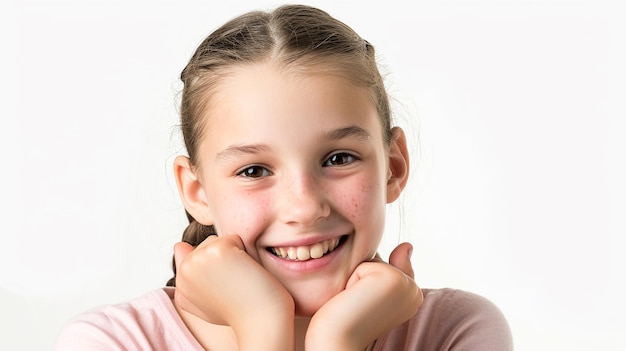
(343, 156)
(245, 173)
(346, 158)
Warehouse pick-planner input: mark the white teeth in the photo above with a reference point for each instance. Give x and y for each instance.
(305, 253)
(292, 253)
(317, 251)
(332, 245)
(325, 246)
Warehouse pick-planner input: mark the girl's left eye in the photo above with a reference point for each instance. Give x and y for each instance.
(340, 159)
(254, 172)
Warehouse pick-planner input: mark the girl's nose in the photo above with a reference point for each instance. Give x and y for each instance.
(304, 202)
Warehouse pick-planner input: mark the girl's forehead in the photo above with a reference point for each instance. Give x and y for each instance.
(296, 71)
(255, 101)
(283, 83)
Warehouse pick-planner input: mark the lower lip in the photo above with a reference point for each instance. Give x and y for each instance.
(308, 266)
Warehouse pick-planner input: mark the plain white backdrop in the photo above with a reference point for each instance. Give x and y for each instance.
(515, 110)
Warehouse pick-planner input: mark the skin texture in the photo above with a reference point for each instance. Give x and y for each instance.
(291, 160)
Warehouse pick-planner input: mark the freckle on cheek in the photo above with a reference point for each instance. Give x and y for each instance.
(357, 205)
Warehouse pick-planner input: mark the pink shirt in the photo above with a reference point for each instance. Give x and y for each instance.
(447, 320)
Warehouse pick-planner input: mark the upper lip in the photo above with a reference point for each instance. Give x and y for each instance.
(307, 241)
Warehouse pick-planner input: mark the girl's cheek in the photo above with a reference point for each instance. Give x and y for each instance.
(242, 214)
(362, 197)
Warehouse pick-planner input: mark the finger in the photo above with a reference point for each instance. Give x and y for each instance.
(376, 258)
(235, 240)
(181, 250)
(401, 258)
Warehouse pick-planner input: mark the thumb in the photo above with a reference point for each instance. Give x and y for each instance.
(401, 258)
(181, 250)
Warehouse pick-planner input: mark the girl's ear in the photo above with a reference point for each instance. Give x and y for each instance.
(191, 191)
(398, 165)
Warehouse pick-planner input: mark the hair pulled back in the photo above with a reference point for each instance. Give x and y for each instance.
(295, 36)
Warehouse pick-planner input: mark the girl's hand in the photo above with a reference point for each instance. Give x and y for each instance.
(377, 298)
(221, 284)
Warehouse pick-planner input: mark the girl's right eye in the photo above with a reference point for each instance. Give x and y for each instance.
(254, 172)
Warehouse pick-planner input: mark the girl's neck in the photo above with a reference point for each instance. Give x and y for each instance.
(302, 323)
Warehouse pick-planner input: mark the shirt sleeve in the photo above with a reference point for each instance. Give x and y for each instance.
(475, 324)
(92, 332)
(149, 322)
(451, 320)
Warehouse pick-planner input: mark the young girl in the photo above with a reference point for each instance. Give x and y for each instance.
(292, 159)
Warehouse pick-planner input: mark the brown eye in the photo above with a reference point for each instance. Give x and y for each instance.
(254, 172)
(339, 159)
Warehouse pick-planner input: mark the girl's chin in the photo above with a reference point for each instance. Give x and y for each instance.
(308, 309)
(308, 303)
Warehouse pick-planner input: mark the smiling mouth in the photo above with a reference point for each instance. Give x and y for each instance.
(305, 253)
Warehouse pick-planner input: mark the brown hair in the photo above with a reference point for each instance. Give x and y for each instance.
(296, 36)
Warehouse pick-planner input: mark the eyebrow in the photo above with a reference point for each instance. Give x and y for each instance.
(350, 131)
(238, 150)
(250, 149)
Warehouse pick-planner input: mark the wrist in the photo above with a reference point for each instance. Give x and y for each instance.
(271, 333)
(334, 339)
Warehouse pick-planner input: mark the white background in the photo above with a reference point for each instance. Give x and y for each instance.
(515, 109)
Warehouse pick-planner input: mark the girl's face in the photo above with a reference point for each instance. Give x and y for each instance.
(296, 165)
